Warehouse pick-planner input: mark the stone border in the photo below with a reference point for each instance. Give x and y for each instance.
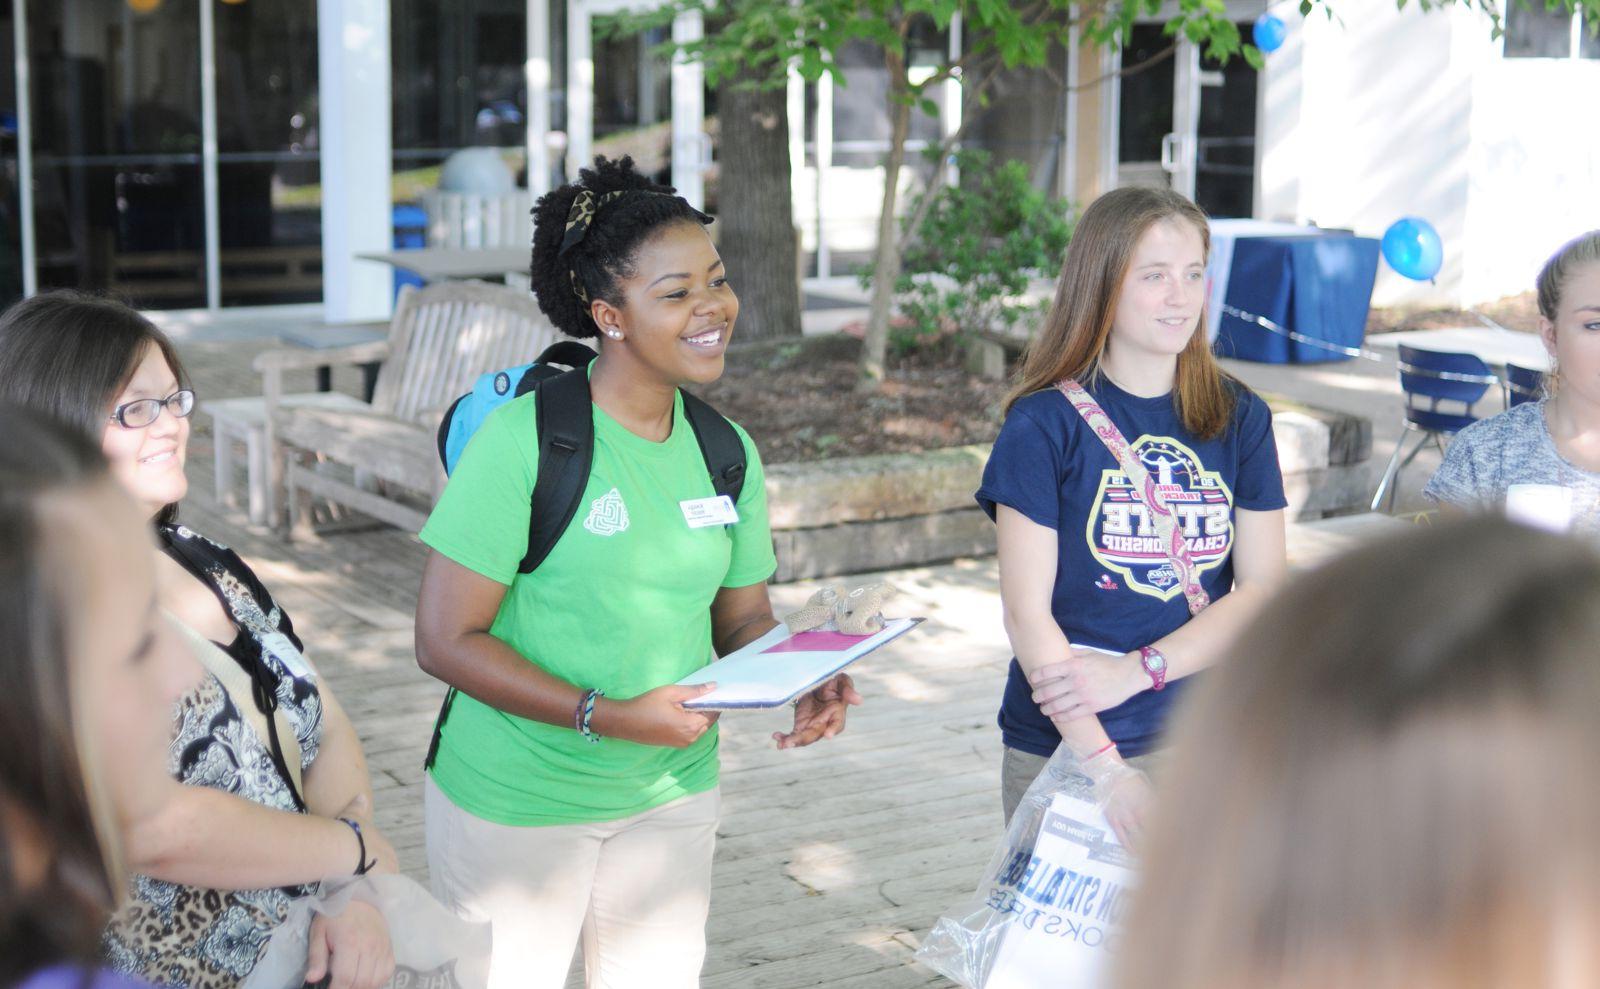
(881, 512)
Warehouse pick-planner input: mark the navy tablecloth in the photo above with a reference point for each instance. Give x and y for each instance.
(1318, 286)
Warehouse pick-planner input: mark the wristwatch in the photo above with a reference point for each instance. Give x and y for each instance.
(1155, 665)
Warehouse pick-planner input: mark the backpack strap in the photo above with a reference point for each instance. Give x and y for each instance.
(566, 450)
(720, 445)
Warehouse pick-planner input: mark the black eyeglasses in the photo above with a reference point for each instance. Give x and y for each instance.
(142, 412)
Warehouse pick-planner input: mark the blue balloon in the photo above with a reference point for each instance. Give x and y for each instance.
(1269, 32)
(1413, 248)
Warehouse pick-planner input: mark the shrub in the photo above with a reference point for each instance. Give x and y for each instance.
(967, 267)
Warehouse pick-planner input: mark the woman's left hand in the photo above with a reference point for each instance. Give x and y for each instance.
(1087, 683)
(820, 714)
(353, 949)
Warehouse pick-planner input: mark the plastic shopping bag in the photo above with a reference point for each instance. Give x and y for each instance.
(1049, 910)
(433, 948)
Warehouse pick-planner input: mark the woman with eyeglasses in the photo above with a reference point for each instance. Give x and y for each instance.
(277, 796)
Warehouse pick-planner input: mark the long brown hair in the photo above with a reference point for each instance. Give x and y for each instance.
(46, 789)
(1389, 783)
(1072, 340)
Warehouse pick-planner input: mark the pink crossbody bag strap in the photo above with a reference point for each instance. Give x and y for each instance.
(1145, 489)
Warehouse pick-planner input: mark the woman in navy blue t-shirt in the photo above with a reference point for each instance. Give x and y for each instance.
(1105, 630)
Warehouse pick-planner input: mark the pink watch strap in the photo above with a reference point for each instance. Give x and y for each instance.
(1155, 665)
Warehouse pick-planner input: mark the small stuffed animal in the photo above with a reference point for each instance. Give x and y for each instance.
(861, 611)
(858, 612)
(819, 611)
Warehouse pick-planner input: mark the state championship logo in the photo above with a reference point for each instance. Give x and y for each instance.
(1124, 540)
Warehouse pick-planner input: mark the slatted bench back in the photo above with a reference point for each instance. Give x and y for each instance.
(446, 334)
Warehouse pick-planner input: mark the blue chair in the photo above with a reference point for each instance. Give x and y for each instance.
(1434, 377)
(1523, 384)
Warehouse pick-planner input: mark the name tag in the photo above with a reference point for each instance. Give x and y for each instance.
(279, 646)
(702, 513)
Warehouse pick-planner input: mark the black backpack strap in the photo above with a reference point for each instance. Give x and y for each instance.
(566, 450)
(568, 353)
(719, 445)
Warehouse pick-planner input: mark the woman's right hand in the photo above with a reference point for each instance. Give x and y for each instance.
(1127, 801)
(657, 717)
(1123, 793)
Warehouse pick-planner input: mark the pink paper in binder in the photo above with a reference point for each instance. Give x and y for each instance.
(817, 640)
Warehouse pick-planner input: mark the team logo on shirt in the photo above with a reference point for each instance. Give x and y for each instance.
(1124, 540)
(607, 514)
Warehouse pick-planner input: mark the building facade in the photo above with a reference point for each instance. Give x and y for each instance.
(219, 154)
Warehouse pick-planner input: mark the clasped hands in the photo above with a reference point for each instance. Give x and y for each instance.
(1087, 682)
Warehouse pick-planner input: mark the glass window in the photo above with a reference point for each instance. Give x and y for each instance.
(1537, 33)
(116, 149)
(1145, 112)
(1025, 118)
(861, 100)
(633, 97)
(458, 82)
(268, 171)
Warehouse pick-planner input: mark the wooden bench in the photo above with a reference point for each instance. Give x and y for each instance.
(243, 421)
(381, 457)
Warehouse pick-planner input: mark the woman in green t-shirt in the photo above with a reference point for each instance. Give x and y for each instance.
(572, 793)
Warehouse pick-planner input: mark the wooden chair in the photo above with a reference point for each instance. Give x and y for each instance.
(441, 339)
(459, 219)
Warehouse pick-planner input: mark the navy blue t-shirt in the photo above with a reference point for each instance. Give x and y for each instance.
(1114, 586)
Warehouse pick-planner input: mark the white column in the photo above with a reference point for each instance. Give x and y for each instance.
(1180, 150)
(208, 154)
(580, 89)
(537, 73)
(356, 155)
(19, 24)
(1110, 119)
(691, 152)
(950, 112)
(824, 166)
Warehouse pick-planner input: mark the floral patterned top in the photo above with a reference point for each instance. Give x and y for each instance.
(187, 936)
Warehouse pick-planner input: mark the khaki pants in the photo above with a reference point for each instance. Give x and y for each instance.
(636, 891)
(1018, 770)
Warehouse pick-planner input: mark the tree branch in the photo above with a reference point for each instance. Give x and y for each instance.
(1130, 70)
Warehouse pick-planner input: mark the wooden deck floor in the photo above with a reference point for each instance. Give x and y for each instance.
(832, 861)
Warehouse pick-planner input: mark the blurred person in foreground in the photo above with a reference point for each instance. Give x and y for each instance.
(91, 671)
(1390, 784)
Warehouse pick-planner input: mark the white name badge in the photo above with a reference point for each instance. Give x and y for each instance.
(279, 646)
(702, 513)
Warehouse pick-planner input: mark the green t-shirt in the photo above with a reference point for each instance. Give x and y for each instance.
(622, 603)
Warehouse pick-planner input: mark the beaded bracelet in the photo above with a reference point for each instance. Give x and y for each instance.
(584, 712)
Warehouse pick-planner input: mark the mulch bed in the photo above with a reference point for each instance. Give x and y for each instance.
(798, 400)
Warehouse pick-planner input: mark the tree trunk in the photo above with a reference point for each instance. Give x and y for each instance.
(756, 210)
(886, 258)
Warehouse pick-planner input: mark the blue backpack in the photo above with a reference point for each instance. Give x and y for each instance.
(565, 418)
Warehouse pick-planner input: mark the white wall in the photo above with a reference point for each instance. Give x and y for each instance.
(1368, 119)
(1533, 169)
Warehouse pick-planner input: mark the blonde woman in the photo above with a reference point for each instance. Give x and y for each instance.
(91, 671)
(1119, 387)
(1555, 441)
(1389, 783)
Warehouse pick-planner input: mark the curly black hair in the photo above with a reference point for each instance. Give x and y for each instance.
(606, 252)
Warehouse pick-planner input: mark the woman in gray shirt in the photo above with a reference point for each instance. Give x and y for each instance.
(1555, 441)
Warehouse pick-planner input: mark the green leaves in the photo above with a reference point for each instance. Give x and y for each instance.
(967, 267)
